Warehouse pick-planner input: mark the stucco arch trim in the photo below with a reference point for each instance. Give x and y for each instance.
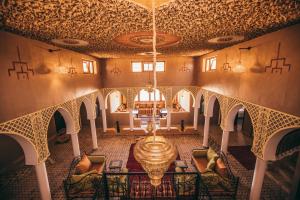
(199, 95)
(175, 92)
(69, 120)
(270, 146)
(29, 148)
(89, 106)
(101, 100)
(231, 114)
(111, 90)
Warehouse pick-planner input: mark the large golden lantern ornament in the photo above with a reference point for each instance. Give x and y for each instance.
(154, 153)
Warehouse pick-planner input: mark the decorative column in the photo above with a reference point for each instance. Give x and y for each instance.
(104, 122)
(75, 144)
(206, 131)
(41, 174)
(131, 119)
(225, 139)
(94, 134)
(196, 111)
(169, 119)
(258, 179)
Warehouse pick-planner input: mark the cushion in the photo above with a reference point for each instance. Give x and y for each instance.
(210, 178)
(98, 167)
(97, 159)
(211, 164)
(211, 154)
(83, 181)
(84, 165)
(220, 168)
(199, 152)
(201, 164)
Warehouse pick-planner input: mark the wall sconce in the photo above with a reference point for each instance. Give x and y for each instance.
(240, 68)
(60, 68)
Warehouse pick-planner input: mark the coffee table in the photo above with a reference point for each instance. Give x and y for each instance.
(115, 165)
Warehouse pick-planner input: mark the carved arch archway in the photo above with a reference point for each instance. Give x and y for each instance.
(89, 106)
(111, 91)
(270, 146)
(29, 149)
(176, 90)
(69, 120)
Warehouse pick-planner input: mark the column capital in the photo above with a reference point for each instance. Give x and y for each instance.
(92, 118)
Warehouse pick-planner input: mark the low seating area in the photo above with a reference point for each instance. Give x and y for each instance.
(215, 172)
(87, 178)
(84, 176)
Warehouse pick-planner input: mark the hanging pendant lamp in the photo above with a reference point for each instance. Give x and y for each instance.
(154, 153)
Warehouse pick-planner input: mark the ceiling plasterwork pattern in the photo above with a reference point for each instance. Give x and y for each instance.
(98, 22)
(148, 3)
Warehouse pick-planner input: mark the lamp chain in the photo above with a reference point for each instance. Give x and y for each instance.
(154, 69)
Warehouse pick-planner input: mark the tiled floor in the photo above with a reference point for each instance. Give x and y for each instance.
(23, 184)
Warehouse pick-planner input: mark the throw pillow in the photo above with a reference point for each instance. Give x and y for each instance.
(211, 154)
(210, 178)
(84, 181)
(211, 164)
(84, 165)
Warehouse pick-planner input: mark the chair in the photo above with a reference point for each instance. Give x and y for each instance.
(215, 172)
(84, 184)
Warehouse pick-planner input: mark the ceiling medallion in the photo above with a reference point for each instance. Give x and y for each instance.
(70, 42)
(226, 39)
(148, 4)
(149, 53)
(144, 39)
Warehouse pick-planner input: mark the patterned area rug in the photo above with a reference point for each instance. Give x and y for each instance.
(243, 155)
(141, 187)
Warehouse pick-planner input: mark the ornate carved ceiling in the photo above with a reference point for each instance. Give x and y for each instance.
(148, 3)
(99, 22)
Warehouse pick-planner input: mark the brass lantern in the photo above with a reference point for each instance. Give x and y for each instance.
(155, 154)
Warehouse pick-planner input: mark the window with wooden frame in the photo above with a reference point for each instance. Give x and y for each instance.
(210, 64)
(139, 66)
(89, 67)
(148, 67)
(136, 66)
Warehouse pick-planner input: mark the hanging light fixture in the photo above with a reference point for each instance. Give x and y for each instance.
(154, 153)
(239, 68)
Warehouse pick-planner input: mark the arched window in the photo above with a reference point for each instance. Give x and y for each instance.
(117, 102)
(145, 95)
(181, 102)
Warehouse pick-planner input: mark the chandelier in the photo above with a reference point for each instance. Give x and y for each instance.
(154, 153)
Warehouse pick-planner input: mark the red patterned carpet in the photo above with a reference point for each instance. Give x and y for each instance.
(140, 184)
(243, 155)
